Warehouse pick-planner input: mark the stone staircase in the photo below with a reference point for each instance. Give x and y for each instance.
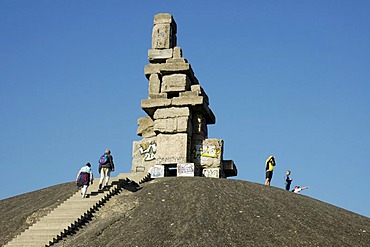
(75, 212)
(139, 177)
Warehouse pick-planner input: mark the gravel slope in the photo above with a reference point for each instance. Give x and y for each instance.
(217, 212)
(19, 212)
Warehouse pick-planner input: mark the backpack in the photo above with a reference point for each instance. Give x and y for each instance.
(103, 159)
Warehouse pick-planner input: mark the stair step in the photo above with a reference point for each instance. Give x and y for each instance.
(28, 244)
(41, 234)
(56, 224)
(34, 238)
(73, 208)
(55, 228)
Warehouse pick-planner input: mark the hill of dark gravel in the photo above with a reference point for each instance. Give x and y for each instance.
(199, 212)
(19, 212)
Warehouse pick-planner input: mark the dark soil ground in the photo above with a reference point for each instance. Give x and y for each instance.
(201, 212)
(19, 212)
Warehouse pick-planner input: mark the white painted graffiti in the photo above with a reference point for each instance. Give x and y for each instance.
(148, 150)
(211, 172)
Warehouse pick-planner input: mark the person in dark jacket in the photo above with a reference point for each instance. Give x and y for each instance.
(84, 178)
(105, 169)
(288, 180)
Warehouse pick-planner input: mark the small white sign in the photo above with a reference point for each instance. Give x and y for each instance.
(157, 171)
(185, 170)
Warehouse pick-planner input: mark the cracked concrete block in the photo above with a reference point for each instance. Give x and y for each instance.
(172, 125)
(211, 154)
(154, 84)
(172, 148)
(155, 55)
(175, 83)
(145, 127)
(172, 112)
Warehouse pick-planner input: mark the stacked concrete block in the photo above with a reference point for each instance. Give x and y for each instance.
(145, 127)
(172, 120)
(164, 32)
(175, 130)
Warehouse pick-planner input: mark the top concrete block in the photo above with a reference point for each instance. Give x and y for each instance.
(164, 32)
(165, 18)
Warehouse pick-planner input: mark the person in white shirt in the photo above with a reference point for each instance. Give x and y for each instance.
(83, 179)
(298, 189)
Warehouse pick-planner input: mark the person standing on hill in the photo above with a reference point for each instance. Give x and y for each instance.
(270, 165)
(83, 179)
(106, 165)
(288, 180)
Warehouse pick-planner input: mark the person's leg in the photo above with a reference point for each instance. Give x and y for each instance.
(83, 191)
(107, 175)
(268, 177)
(102, 177)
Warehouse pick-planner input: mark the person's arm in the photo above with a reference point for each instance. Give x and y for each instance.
(78, 175)
(112, 163)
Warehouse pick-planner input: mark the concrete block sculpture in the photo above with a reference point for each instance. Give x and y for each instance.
(174, 132)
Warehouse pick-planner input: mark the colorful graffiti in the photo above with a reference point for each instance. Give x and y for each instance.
(148, 150)
(200, 150)
(210, 151)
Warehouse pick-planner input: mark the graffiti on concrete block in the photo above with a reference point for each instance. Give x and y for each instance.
(210, 151)
(156, 171)
(185, 170)
(170, 160)
(211, 172)
(148, 150)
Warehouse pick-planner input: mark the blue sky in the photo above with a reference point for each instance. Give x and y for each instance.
(284, 78)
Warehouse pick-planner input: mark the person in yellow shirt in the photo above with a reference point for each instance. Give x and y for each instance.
(270, 165)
